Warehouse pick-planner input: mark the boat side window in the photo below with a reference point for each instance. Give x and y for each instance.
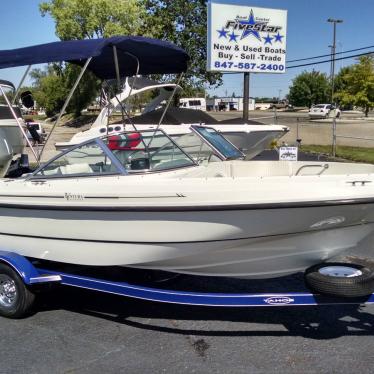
(195, 147)
(88, 159)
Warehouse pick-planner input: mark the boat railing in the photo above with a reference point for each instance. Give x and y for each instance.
(323, 167)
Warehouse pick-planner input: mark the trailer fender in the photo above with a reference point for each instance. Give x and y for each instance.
(26, 270)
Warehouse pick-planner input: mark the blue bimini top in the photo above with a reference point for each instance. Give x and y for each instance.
(154, 56)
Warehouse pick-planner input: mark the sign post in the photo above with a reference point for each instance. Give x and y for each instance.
(246, 95)
(246, 39)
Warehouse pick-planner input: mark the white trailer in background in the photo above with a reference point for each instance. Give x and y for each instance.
(198, 103)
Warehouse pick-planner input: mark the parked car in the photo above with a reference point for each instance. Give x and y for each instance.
(324, 111)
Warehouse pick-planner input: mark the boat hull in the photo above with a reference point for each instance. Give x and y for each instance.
(254, 243)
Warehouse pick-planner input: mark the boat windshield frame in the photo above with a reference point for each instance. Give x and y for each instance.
(121, 170)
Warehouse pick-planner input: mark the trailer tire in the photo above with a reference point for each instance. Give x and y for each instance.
(340, 279)
(16, 298)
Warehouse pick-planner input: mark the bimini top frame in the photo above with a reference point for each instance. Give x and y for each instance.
(132, 55)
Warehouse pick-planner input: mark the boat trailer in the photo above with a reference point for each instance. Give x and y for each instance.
(17, 270)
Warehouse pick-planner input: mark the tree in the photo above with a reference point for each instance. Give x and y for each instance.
(340, 83)
(358, 85)
(309, 88)
(83, 19)
(49, 90)
(52, 85)
(88, 19)
(184, 23)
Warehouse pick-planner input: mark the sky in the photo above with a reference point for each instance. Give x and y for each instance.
(308, 34)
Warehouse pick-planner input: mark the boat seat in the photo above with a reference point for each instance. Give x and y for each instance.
(76, 169)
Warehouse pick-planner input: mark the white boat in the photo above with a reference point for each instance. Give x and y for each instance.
(11, 138)
(140, 200)
(250, 137)
(110, 202)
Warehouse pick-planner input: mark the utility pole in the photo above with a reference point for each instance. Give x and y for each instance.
(333, 51)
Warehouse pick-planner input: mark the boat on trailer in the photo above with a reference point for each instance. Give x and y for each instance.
(249, 136)
(139, 199)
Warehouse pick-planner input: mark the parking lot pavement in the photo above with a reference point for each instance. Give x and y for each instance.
(80, 331)
(316, 131)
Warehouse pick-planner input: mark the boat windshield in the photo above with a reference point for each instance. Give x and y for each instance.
(147, 150)
(219, 143)
(128, 152)
(139, 152)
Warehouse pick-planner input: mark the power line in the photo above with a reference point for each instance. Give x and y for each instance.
(336, 59)
(313, 63)
(337, 53)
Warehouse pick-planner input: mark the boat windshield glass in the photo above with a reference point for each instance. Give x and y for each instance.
(87, 159)
(147, 151)
(219, 142)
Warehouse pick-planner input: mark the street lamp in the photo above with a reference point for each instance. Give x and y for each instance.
(333, 51)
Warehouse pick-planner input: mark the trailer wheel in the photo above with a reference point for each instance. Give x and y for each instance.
(15, 298)
(340, 279)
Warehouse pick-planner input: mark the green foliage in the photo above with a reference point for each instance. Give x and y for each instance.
(340, 80)
(340, 84)
(309, 88)
(82, 19)
(358, 85)
(184, 23)
(51, 87)
(50, 93)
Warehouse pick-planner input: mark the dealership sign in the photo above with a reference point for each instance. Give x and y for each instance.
(246, 39)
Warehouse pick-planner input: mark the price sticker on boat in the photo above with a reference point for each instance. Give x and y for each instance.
(288, 153)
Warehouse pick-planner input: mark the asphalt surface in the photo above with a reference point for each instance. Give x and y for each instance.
(319, 131)
(78, 331)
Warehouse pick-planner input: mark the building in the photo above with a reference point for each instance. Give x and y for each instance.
(228, 103)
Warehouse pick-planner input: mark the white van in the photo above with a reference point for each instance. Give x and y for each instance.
(193, 103)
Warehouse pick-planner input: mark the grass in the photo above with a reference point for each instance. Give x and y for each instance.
(35, 117)
(356, 154)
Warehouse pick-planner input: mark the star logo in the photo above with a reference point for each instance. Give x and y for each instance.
(222, 33)
(249, 30)
(233, 37)
(278, 37)
(268, 40)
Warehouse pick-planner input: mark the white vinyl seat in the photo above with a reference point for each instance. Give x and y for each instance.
(76, 169)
